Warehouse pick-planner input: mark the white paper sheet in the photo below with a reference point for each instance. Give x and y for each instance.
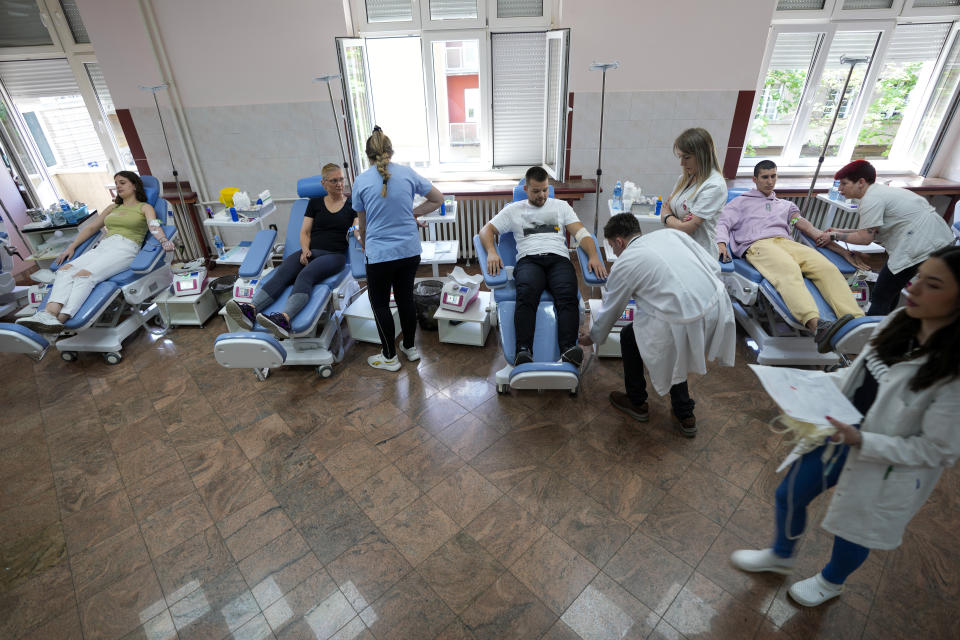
(805, 395)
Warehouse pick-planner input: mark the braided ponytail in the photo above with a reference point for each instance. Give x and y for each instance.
(380, 151)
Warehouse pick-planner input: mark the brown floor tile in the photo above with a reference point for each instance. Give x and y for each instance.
(191, 564)
(459, 570)
(220, 607)
(123, 606)
(468, 436)
(231, 490)
(335, 528)
(753, 521)
(538, 438)
(503, 464)
(308, 493)
(704, 608)
(832, 620)
(455, 631)
(628, 495)
(398, 445)
(253, 526)
(554, 571)
(28, 517)
(81, 485)
(438, 414)
(36, 601)
(546, 495)
(385, 494)
(581, 464)
(507, 610)
(409, 609)
(755, 590)
(266, 433)
(175, 523)
(680, 529)
(160, 627)
(207, 459)
(26, 557)
(101, 566)
(65, 626)
(367, 569)
(593, 530)
(149, 429)
(419, 530)
(146, 461)
(666, 632)
(709, 494)
(317, 602)
(126, 412)
(328, 438)
(98, 522)
(506, 530)
(648, 571)
(278, 567)
(354, 462)
(464, 494)
(256, 628)
(470, 393)
(283, 462)
(560, 631)
(502, 413)
(159, 490)
(605, 610)
(429, 463)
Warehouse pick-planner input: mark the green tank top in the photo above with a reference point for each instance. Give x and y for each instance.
(127, 221)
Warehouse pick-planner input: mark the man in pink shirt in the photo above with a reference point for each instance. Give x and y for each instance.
(758, 226)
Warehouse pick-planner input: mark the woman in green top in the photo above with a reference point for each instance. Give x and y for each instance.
(126, 222)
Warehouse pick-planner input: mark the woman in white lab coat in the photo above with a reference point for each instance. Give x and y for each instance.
(907, 386)
(700, 193)
(683, 319)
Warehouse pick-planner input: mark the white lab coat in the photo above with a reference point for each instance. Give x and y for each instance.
(914, 435)
(684, 316)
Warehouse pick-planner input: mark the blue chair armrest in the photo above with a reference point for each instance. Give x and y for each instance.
(151, 253)
(358, 261)
(838, 260)
(257, 255)
(86, 244)
(494, 282)
(588, 276)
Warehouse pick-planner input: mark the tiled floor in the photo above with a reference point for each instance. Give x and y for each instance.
(169, 497)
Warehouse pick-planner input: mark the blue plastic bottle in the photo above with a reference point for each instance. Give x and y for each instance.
(835, 190)
(659, 205)
(218, 243)
(64, 206)
(618, 196)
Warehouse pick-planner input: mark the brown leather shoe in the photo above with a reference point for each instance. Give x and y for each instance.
(622, 401)
(688, 426)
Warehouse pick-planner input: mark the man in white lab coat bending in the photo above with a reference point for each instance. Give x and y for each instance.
(683, 318)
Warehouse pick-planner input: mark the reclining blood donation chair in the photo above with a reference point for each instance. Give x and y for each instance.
(316, 338)
(116, 307)
(781, 339)
(546, 371)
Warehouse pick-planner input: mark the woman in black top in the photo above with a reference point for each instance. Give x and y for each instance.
(323, 252)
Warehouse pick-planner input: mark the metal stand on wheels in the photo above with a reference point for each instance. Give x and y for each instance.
(602, 67)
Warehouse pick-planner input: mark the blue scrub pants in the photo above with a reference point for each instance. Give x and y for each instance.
(808, 481)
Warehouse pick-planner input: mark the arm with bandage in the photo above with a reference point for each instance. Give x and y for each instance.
(594, 263)
(156, 229)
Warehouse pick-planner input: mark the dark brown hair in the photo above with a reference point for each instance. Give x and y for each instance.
(138, 189)
(894, 342)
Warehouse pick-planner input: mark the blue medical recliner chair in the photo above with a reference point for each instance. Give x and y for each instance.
(781, 339)
(316, 338)
(545, 372)
(116, 307)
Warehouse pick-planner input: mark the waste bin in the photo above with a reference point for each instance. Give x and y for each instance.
(222, 288)
(426, 295)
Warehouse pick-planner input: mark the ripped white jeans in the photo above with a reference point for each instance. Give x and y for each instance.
(112, 255)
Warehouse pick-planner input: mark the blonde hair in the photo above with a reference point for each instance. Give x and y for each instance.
(379, 151)
(329, 168)
(698, 143)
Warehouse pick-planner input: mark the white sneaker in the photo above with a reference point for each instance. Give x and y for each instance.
(757, 560)
(379, 361)
(814, 591)
(42, 322)
(412, 353)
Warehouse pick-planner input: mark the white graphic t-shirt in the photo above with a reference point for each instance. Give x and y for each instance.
(536, 229)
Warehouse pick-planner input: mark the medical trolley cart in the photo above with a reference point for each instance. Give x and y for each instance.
(221, 220)
(470, 326)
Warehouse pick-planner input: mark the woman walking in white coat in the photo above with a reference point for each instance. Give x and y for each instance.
(683, 318)
(907, 386)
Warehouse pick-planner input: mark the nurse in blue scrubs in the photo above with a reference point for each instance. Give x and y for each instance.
(383, 199)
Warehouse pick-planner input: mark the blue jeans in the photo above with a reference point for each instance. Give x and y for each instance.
(807, 478)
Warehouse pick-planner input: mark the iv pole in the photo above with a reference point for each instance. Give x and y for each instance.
(602, 67)
(154, 89)
(853, 62)
(336, 122)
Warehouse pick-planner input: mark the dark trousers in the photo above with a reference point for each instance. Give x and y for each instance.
(805, 481)
(322, 265)
(554, 273)
(636, 385)
(400, 275)
(886, 292)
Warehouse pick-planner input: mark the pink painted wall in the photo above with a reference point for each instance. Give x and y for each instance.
(455, 101)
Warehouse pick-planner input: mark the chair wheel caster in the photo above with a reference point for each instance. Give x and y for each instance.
(574, 391)
(112, 357)
(501, 389)
(69, 356)
(324, 371)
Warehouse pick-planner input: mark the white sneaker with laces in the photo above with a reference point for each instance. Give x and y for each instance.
(814, 591)
(412, 353)
(42, 322)
(757, 560)
(380, 361)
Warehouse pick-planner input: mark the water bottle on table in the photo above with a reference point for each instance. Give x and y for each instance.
(218, 243)
(835, 190)
(618, 196)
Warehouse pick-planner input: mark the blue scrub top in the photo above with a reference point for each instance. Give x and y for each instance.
(392, 232)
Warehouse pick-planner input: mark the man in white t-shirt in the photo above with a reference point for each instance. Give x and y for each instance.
(901, 221)
(543, 262)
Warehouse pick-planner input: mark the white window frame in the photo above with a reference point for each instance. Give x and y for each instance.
(839, 13)
(790, 160)
(910, 11)
(421, 20)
